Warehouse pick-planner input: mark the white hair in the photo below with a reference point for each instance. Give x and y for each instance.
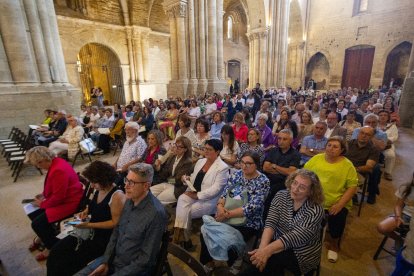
(133, 125)
(263, 116)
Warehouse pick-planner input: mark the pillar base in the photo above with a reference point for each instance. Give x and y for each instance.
(202, 87)
(29, 102)
(177, 88)
(217, 86)
(192, 87)
(152, 90)
(407, 102)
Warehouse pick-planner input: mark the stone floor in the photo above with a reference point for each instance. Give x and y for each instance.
(358, 245)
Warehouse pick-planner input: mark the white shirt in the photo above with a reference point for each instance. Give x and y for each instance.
(195, 111)
(210, 108)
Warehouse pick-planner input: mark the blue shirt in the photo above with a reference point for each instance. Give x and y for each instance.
(215, 131)
(310, 142)
(379, 134)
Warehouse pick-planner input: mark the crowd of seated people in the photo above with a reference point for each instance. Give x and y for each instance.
(200, 147)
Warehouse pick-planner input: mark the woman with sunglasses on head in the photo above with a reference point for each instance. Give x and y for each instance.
(208, 179)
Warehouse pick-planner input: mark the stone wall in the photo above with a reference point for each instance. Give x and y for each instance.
(335, 27)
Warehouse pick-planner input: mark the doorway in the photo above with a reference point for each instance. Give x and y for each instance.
(396, 66)
(358, 66)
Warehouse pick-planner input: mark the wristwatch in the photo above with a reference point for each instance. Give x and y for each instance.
(311, 150)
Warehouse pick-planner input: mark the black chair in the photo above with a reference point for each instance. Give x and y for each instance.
(186, 258)
(162, 265)
(363, 191)
(401, 232)
(119, 141)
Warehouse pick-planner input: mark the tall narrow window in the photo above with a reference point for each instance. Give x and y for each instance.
(363, 5)
(230, 28)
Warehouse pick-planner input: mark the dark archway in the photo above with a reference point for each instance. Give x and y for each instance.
(358, 66)
(99, 66)
(396, 66)
(318, 70)
(233, 70)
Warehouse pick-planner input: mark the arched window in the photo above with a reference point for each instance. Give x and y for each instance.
(360, 6)
(230, 28)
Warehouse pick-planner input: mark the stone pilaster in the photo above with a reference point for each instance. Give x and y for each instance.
(134, 90)
(407, 97)
(220, 59)
(202, 82)
(193, 82)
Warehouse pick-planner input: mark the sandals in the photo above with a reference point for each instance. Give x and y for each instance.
(332, 256)
(41, 257)
(36, 245)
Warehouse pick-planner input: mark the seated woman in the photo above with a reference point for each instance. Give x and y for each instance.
(167, 124)
(167, 183)
(291, 237)
(60, 198)
(208, 178)
(240, 128)
(104, 210)
(230, 146)
(69, 141)
(184, 123)
(350, 124)
(306, 125)
(286, 122)
(390, 128)
(201, 136)
(253, 144)
(147, 121)
(339, 181)
(154, 148)
(255, 185)
(115, 132)
(267, 138)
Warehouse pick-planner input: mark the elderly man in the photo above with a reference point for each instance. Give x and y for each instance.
(136, 240)
(314, 144)
(379, 141)
(132, 151)
(333, 128)
(279, 163)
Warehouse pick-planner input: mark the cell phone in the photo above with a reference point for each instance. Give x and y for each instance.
(28, 200)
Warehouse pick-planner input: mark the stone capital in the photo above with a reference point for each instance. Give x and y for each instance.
(175, 8)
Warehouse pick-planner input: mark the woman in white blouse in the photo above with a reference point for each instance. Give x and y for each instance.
(230, 146)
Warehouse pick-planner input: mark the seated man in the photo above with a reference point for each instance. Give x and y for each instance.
(56, 129)
(333, 127)
(136, 240)
(314, 144)
(279, 163)
(379, 140)
(132, 151)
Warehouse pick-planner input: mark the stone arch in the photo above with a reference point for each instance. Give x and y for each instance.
(396, 65)
(157, 19)
(256, 13)
(318, 69)
(99, 65)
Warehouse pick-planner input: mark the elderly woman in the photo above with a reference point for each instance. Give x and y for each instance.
(201, 136)
(230, 146)
(253, 144)
(184, 123)
(154, 147)
(390, 128)
(104, 210)
(255, 185)
(291, 237)
(69, 141)
(208, 179)
(60, 198)
(240, 128)
(168, 185)
(267, 138)
(339, 181)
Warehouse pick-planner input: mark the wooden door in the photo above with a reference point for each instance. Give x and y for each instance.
(358, 67)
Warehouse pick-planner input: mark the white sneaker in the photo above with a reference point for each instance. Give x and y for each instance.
(332, 256)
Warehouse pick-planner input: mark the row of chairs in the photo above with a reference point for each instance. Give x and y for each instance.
(14, 149)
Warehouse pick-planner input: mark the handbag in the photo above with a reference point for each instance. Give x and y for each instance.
(231, 204)
(87, 145)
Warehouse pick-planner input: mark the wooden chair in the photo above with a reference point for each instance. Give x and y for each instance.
(162, 265)
(186, 258)
(81, 154)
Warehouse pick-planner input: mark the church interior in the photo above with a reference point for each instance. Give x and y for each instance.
(53, 52)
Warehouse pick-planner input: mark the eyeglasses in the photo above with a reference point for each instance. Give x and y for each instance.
(246, 164)
(178, 146)
(301, 187)
(133, 183)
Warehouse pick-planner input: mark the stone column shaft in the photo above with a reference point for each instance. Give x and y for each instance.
(256, 53)
(37, 40)
(192, 30)
(5, 74)
(212, 39)
(134, 90)
(145, 56)
(263, 58)
(16, 44)
(173, 42)
(407, 96)
(202, 38)
(251, 61)
(220, 59)
(182, 48)
(138, 57)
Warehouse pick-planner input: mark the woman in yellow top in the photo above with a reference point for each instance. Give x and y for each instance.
(48, 117)
(115, 133)
(339, 182)
(167, 125)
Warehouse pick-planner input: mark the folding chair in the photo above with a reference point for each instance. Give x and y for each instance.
(363, 192)
(9, 137)
(162, 265)
(400, 232)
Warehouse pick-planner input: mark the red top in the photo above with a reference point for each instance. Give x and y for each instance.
(241, 134)
(150, 156)
(62, 191)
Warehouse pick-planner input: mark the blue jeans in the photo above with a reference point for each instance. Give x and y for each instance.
(402, 267)
(90, 267)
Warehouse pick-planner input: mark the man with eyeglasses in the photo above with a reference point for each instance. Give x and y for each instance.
(136, 240)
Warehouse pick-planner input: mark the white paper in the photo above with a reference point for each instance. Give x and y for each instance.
(190, 185)
(104, 130)
(33, 126)
(30, 208)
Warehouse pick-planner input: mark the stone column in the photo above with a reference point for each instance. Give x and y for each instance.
(407, 97)
(37, 40)
(16, 44)
(173, 45)
(256, 53)
(192, 86)
(263, 58)
(251, 60)
(138, 56)
(134, 91)
(212, 40)
(181, 43)
(283, 40)
(202, 83)
(5, 74)
(145, 55)
(220, 59)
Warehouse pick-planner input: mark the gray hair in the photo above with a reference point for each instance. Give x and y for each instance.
(263, 116)
(133, 125)
(287, 131)
(377, 105)
(371, 116)
(39, 153)
(325, 125)
(144, 170)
